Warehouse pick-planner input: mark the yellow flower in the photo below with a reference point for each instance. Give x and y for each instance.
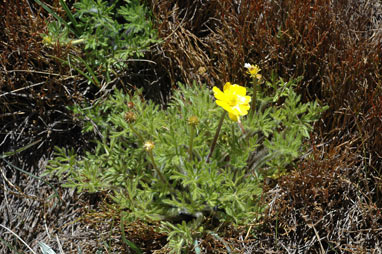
(233, 99)
(253, 70)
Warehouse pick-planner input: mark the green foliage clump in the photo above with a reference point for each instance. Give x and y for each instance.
(110, 34)
(156, 161)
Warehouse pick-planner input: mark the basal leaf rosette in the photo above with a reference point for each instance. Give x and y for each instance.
(233, 99)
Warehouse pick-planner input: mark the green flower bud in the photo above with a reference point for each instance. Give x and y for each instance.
(193, 120)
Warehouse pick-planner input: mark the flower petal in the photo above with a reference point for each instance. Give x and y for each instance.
(227, 86)
(244, 99)
(224, 105)
(219, 95)
(233, 117)
(239, 90)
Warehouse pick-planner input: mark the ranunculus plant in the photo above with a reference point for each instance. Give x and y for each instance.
(184, 165)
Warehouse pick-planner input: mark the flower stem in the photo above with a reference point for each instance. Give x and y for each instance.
(191, 141)
(253, 101)
(136, 133)
(161, 176)
(216, 137)
(150, 152)
(241, 127)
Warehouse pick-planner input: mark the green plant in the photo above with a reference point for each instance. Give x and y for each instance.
(110, 34)
(167, 165)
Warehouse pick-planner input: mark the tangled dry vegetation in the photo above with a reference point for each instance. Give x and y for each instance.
(330, 203)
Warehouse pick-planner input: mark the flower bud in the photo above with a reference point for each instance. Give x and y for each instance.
(130, 104)
(149, 146)
(193, 120)
(130, 117)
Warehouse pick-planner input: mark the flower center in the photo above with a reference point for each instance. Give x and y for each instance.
(233, 101)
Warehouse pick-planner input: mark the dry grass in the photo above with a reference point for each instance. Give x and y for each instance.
(35, 88)
(324, 206)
